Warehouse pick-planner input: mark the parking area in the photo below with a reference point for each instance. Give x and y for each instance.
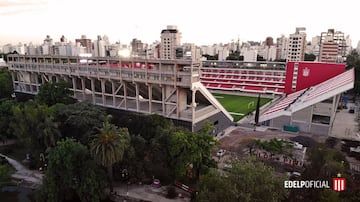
(346, 124)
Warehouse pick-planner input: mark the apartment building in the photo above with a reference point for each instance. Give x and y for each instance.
(170, 40)
(296, 46)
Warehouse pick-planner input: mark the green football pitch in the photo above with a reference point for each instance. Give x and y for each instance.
(239, 106)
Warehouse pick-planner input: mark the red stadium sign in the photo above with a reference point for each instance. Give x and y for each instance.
(339, 184)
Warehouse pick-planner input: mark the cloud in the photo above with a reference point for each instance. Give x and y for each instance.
(8, 3)
(15, 7)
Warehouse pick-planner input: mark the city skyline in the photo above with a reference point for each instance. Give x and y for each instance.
(202, 23)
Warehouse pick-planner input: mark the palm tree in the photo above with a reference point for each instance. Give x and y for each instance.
(48, 131)
(108, 146)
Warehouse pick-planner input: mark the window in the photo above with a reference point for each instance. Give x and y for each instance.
(321, 119)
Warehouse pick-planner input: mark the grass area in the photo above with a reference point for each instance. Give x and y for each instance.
(238, 106)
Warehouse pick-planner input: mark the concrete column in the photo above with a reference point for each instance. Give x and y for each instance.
(42, 79)
(103, 91)
(125, 94)
(37, 82)
(113, 93)
(163, 100)
(83, 88)
(30, 82)
(193, 106)
(137, 97)
(74, 86)
(13, 80)
(150, 98)
(311, 115)
(180, 100)
(93, 91)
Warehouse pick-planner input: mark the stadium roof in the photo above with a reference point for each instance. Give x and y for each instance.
(307, 97)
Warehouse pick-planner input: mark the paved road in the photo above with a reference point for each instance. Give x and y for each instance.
(346, 125)
(29, 177)
(146, 193)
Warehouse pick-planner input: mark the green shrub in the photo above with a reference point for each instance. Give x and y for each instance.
(171, 192)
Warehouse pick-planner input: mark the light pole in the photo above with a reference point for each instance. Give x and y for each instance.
(124, 175)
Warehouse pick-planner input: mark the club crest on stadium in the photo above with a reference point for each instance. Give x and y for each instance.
(306, 72)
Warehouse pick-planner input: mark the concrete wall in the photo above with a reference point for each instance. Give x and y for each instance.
(303, 115)
(222, 122)
(323, 109)
(320, 129)
(181, 99)
(279, 122)
(302, 125)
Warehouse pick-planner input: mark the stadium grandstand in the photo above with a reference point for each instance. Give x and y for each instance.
(246, 77)
(170, 88)
(272, 78)
(307, 93)
(310, 110)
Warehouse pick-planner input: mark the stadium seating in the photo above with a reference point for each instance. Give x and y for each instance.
(246, 79)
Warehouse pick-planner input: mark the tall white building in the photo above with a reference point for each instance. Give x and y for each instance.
(250, 55)
(281, 47)
(45, 49)
(170, 40)
(191, 51)
(270, 53)
(31, 49)
(100, 47)
(223, 53)
(348, 45)
(358, 47)
(20, 48)
(208, 50)
(297, 44)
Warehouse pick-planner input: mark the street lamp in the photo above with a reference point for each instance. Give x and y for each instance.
(124, 175)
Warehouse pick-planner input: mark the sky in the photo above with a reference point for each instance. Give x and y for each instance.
(200, 22)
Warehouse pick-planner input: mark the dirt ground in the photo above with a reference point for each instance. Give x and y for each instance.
(236, 143)
(237, 139)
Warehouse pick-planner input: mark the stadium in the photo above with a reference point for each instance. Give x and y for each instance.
(297, 96)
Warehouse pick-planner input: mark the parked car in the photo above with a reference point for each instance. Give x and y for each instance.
(220, 153)
(352, 110)
(227, 166)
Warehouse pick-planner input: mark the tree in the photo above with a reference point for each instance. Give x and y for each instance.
(108, 146)
(245, 181)
(48, 131)
(52, 93)
(6, 117)
(211, 57)
(5, 174)
(353, 61)
(248, 175)
(260, 58)
(79, 120)
(6, 84)
(309, 57)
(72, 174)
(280, 60)
(215, 187)
(34, 126)
(193, 151)
(235, 56)
(324, 164)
